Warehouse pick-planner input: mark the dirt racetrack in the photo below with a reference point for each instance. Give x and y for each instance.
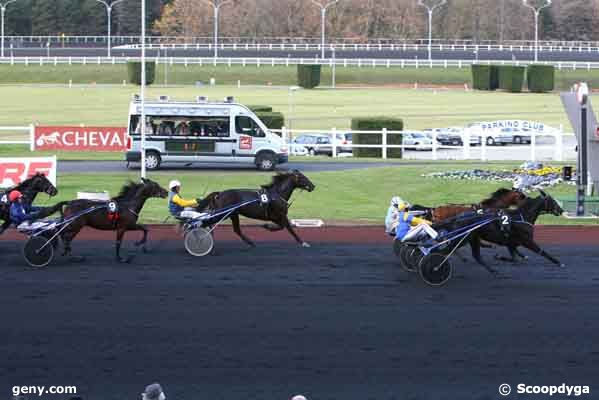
(339, 320)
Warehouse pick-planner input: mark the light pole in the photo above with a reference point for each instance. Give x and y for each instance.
(323, 16)
(430, 7)
(3, 12)
(217, 4)
(537, 10)
(143, 89)
(109, 14)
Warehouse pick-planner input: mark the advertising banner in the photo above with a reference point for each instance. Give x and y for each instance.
(15, 170)
(76, 138)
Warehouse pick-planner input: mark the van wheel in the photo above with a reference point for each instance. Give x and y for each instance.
(265, 161)
(153, 160)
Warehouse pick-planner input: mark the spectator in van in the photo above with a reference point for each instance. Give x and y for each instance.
(183, 129)
(149, 128)
(165, 128)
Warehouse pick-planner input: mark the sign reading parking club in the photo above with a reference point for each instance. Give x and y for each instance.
(15, 170)
(75, 138)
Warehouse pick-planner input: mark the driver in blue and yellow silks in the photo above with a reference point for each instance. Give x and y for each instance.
(180, 207)
(405, 226)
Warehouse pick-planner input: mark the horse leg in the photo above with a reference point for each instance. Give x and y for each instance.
(4, 226)
(68, 235)
(144, 239)
(532, 246)
(286, 224)
(237, 229)
(273, 228)
(475, 246)
(119, 239)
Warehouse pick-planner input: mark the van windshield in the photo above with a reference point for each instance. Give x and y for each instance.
(247, 126)
(214, 126)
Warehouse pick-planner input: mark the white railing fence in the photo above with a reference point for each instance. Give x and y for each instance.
(15, 135)
(288, 61)
(472, 145)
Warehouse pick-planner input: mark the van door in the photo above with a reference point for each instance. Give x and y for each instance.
(250, 138)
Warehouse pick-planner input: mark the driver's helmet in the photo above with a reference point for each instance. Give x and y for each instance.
(173, 184)
(395, 201)
(14, 196)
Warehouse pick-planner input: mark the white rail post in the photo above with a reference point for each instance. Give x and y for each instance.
(466, 144)
(533, 147)
(559, 145)
(384, 143)
(435, 145)
(334, 142)
(31, 137)
(483, 147)
(284, 136)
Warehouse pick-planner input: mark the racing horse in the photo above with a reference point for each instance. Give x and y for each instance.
(30, 188)
(516, 228)
(120, 214)
(500, 199)
(271, 203)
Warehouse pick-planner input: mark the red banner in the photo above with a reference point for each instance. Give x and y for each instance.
(76, 138)
(245, 142)
(15, 170)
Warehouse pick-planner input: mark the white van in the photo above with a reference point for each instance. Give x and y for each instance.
(203, 131)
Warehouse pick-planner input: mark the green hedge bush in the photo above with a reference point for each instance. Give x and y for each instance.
(376, 124)
(272, 120)
(485, 77)
(511, 78)
(134, 72)
(257, 109)
(541, 78)
(308, 76)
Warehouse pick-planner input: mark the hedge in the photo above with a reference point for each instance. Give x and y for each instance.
(485, 77)
(272, 120)
(376, 124)
(134, 72)
(541, 78)
(511, 78)
(308, 76)
(257, 109)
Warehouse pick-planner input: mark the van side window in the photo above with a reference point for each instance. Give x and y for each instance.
(247, 126)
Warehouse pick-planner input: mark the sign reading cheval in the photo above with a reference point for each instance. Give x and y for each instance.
(76, 138)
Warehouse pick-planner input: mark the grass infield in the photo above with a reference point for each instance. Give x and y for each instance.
(356, 195)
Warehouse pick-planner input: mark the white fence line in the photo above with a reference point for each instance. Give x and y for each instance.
(29, 129)
(334, 146)
(278, 61)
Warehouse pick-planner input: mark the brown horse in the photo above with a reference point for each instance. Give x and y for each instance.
(270, 203)
(120, 214)
(500, 199)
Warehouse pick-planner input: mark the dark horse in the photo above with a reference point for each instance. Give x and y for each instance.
(271, 203)
(30, 188)
(520, 230)
(122, 218)
(500, 199)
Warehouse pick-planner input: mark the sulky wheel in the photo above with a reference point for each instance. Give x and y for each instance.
(435, 269)
(38, 252)
(199, 242)
(406, 257)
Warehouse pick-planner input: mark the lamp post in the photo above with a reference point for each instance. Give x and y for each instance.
(323, 16)
(109, 15)
(143, 89)
(537, 11)
(217, 4)
(430, 8)
(3, 6)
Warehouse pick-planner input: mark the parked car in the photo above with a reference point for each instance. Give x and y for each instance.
(317, 143)
(417, 141)
(297, 150)
(453, 136)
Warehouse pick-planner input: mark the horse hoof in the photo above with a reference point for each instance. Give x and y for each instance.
(125, 260)
(306, 245)
(562, 265)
